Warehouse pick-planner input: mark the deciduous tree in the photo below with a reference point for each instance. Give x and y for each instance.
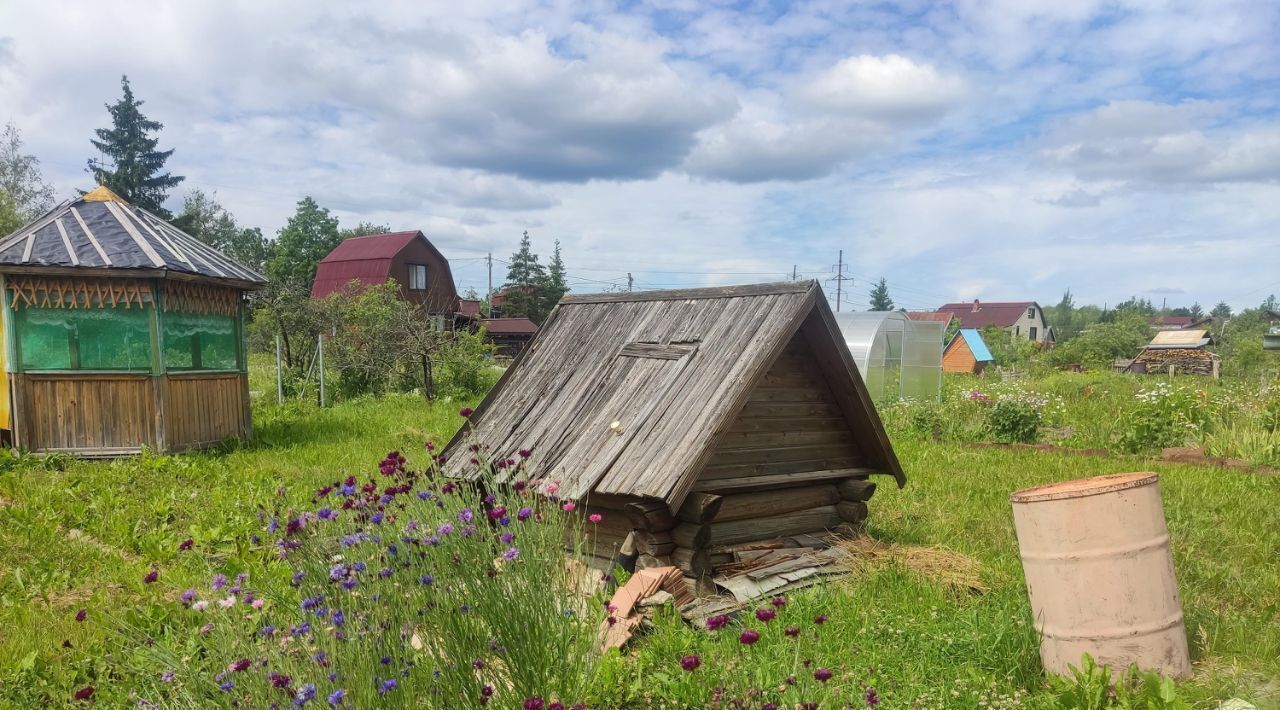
(308, 237)
(20, 177)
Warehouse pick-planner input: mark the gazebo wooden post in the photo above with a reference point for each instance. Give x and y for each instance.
(159, 380)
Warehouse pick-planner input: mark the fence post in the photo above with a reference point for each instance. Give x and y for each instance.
(321, 363)
(279, 376)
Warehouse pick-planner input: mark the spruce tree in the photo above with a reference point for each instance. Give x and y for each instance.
(1221, 312)
(555, 286)
(525, 279)
(133, 168)
(880, 300)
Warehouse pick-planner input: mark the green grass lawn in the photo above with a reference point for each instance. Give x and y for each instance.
(77, 534)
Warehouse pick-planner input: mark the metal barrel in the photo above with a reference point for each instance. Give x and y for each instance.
(1100, 574)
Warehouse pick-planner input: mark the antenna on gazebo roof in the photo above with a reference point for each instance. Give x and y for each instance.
(101, 193)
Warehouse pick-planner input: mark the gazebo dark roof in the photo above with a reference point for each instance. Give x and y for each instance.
(101, 231)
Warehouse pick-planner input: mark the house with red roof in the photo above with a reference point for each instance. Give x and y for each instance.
(408, 258)
(1023, 319)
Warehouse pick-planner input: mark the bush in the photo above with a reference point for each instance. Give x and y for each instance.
(464, 365)
(1164, 416)
(1102, 343)
(1016, 419)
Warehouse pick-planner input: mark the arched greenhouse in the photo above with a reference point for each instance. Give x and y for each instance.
(896, 356)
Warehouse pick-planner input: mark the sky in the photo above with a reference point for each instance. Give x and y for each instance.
(1001, 150)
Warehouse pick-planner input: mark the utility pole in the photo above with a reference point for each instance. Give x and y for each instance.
(488, 297)
(630, 281)
(793, 272)
(839, 278)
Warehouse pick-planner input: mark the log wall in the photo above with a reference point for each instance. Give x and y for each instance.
(790, 426)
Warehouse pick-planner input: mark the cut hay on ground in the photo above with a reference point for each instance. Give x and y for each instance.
(956, 572)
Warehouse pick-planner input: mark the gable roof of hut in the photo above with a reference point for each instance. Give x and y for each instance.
(100, 231)
(973, 340)
(629, 393)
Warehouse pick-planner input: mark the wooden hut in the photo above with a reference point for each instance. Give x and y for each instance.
(702, 420)
(967, 352)
(120, 332)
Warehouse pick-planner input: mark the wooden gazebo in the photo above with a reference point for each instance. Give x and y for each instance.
(120, 332)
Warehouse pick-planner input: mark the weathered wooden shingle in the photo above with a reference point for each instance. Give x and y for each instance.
(628, 394)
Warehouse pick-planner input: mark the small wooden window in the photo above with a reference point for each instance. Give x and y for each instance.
(1031, 312)
(417, 277)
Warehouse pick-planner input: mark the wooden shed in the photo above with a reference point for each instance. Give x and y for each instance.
(701, 419)
(120, 332)
(967, 352)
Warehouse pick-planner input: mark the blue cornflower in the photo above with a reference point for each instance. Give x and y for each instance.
(297, 578)
(339, 618)
(227, 686)
(325, 513)
(312, 602)
(377, 518)
(335, 698)
(511, 554)
(347, 490)
(385, 572)
(385, 660)
(388, 685)
(424, 495)
(349, 584)
(337, 572)
(302, 630)
(359, 567)
(393, 550)
(444, 529)
(267, 630)
(305, 694)
(426, 580)
(273, 526)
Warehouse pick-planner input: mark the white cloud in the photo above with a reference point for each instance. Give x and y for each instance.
(891, 89)
(1146, 142)
(861, 106)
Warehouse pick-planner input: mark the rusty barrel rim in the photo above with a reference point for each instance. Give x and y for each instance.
(1081, 487)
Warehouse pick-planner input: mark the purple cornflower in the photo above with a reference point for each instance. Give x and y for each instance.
(749, 637)
(297, 578)
(820, 619)
(279, 680)
(337, 572)
(82, 614)
(219, 581)
(779, 602)
(189, 596)
(511, 554)
(335, 698)
(385, 572)
(167, 677)
(444, 529)
(239, 666)
(507, 537)
(385, 660)
(359, 566)
(533, 703)
(273, 526)
(388, 685)
(690, 662)
(823, 675)
(325, 513)
(465, 515)
(717, 622)
(426, 580)
(871, 697)
(792, 631)
(349, 584)
(267, 630)
(765, 614)
(524, 513)
(339, 618)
